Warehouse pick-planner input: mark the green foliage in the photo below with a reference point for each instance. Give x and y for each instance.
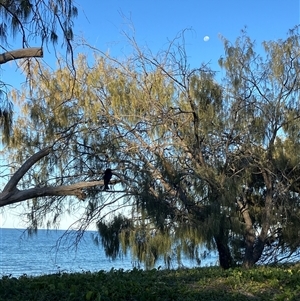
(32, 21)
(262, 283)
(20, 16)
(196, 162)
(110, 235)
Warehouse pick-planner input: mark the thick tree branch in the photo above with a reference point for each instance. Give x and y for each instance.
(11, 194)
(20, 54)
(13, 182)
(16, 196)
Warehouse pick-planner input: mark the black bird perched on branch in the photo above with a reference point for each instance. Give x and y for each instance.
(107, 176)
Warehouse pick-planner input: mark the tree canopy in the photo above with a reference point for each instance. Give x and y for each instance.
(196, 161)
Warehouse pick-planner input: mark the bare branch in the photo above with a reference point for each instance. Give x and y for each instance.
(20, 54)
(15, 196)
(12, 183)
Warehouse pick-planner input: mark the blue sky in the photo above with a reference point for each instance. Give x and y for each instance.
(101, 23)
(155, 22)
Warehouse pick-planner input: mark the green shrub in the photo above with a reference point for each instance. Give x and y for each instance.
(260, 283)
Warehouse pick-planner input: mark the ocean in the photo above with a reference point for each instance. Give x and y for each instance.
(50, 251)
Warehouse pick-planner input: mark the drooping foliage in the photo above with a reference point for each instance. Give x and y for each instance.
(31, 19)
(27, 23)
(195, 162)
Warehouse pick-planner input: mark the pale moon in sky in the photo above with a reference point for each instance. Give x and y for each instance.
(206, 38)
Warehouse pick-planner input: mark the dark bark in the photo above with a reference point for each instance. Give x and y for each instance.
(225, 258)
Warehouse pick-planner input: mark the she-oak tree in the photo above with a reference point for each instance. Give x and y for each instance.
(198, 163)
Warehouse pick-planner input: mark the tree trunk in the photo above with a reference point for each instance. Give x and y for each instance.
(248, 260)
(255, 245)
(221, 240)
(225, 257)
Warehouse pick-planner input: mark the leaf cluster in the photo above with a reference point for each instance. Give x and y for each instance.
(30, 19)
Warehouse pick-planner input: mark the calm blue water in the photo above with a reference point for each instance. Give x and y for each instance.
(51, 252)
